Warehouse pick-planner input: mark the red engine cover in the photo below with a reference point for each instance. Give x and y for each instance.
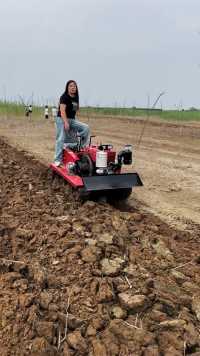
(70, 156)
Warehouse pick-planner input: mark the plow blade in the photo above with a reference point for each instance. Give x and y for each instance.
(111, 182)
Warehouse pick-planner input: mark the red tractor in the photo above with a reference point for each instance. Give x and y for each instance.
(96, 171)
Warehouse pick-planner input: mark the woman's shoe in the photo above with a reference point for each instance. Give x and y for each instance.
(59, 164)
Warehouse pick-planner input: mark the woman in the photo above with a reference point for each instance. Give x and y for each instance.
(66, 121)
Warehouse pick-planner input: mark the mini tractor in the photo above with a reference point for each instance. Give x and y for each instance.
(96, 171)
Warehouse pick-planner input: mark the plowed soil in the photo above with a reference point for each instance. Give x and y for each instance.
(90, 279)
(167, 158)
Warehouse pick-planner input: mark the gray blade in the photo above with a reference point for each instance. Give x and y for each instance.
(110, 182)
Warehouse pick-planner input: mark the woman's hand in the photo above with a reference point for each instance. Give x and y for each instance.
(66, 125)
(64, 117)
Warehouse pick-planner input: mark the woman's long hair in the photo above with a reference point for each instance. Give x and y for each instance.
(77, 94)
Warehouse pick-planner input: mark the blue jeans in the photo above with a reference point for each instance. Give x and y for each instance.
(67, 138)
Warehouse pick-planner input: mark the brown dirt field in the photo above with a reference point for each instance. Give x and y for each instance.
(88, 279)
(167, 159)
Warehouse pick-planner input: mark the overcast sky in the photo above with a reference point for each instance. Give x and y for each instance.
(119, 51)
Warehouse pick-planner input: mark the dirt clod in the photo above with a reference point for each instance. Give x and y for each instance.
(77, 342)
(90, 279)
(135, 303)
(111, 267)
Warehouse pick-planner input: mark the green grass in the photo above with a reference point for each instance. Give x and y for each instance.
(175, 115)
(186, 115)
(16, 109)
(119, 111)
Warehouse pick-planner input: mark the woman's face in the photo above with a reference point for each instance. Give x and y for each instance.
(72, 88)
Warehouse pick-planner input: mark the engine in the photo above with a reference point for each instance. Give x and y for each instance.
(105, 164)
(98, 160)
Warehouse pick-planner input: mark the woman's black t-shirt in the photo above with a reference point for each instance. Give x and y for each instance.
(72, 105)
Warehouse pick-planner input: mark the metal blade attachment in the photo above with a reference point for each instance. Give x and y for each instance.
(112, 181)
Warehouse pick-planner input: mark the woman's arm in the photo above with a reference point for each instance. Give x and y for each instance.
(64, 116)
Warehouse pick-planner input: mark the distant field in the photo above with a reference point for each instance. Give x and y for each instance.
(185, 115)
(9, 109)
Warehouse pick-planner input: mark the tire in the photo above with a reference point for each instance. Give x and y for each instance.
(119, 195)
(85, 166)
(84, 196)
